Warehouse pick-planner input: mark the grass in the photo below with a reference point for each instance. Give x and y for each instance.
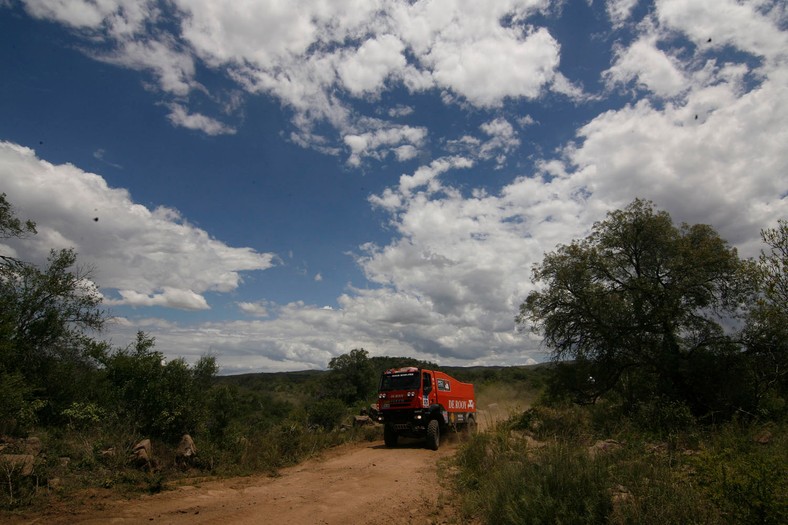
(542, 467)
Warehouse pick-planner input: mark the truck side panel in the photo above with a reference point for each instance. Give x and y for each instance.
(455, 396)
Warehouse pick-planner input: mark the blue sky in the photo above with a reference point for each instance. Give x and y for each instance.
(277, 183)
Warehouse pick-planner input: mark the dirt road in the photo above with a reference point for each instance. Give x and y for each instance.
(362, 483)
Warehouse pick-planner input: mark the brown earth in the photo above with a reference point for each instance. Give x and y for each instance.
(355, 484)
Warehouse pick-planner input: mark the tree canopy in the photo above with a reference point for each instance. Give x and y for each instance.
(765, 335)
(47, 317)
(645, 306)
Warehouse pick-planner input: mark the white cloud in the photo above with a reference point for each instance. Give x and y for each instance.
(76, 13)
(174, 69)
(619, 11)
(500, 140)
(426, 175)
(180, 117)
(365, 70)
(168, 297)
(503, 140)
(652, 68)
(149, 257)
(400, 111)
(378, 143)
(406, 152)
(503, 65)
(255, 309)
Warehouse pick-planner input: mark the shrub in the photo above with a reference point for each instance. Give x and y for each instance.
(326, 413)
(663, 415)
(508, 485)
(744, 473)
(572, 423)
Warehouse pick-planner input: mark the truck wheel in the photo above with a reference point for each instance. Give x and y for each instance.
(433, 435)
(471, 427)
(389, 436)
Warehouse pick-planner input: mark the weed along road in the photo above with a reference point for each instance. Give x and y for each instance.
(361, 483)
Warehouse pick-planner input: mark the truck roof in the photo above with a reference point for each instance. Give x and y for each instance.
(404, 370)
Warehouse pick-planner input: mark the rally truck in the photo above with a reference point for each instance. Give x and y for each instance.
(419, 403)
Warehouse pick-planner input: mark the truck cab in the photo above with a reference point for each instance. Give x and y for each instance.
(421, 403)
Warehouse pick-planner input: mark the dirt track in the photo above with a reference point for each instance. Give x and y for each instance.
(363, 483)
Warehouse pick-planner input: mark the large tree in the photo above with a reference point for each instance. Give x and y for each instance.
(640, 303)
(765, 335)
(351, 377)
(47, 319)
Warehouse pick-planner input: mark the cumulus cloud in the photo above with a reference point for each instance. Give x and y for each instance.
(318, 57)
(503, 139)
(172, 68)
(366, 68)
(403, 141)
(180, 117)
(255, 309)
(482, 70)
(650, 67)
(499, 138)
(619, 11)
(142, 257)
(400, 111)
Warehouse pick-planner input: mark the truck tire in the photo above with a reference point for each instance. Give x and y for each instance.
(471, 427)
(389, 436)
(433, 435)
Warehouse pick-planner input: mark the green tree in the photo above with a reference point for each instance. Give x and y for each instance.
(639, 302)
(10, 224)
(351, 377)
(47, 319)
(158, 397)
(765, 335)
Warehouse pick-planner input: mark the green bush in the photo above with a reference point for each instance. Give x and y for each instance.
(326, 413)
(161, 400)
(18, 409)
(569, 423)
(744, 473)
(663, 416)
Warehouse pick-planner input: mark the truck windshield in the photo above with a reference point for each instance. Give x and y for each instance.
(404, 381)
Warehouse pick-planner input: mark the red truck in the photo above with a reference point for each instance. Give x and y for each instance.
(415, 402)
